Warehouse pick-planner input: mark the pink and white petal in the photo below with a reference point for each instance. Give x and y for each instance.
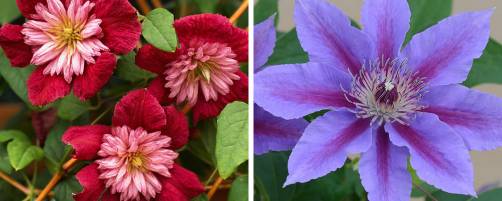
(443, 54)
(183, 185)
(208, 109)
(154, 60)
(44, 89)
(438, 154)
(176, 128)
(120, 25)
(272, 133)
(27, 7)
(85, 140)
(95, 76)
(474, 115)
(325, 145)
(93, 187)
(384, 170)
(294, 90)
(139, 109)
(12, 42)
(326, 34)
(386, 22)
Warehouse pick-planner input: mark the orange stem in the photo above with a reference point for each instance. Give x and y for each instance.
(55, 179)
(157, 3)
(224, 186)
(186, 108)
(214, 188)
(143, 5)
(14, 183)
(239, 11)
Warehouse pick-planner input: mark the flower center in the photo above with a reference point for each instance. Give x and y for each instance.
(63, 38)
(132, 160)
(207, 68)
(386, 92)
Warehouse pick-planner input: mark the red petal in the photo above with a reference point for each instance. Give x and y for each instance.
(153, 59)
(206, 109)
(43, 89)
(95, 76)
(86, 140)
(27, 7)
(177, 127)
(157, 89)
(213, 28)
(140, 109)
(181, 186)
(12, 42)
(120, 24)
(92, 186)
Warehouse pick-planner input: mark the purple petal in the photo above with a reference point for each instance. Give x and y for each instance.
(443, 54)
(437, 153)
(326, 34)
(386, 23)
(264, 42)
(275, 134)
(325, 144)
(383, 170)
(294, 90)
(475, 116)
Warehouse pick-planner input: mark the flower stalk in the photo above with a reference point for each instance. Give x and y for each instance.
(239, 12)
(214, 188)
(55, 179)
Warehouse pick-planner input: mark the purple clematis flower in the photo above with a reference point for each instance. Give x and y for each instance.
(386, 102)
(271, 133)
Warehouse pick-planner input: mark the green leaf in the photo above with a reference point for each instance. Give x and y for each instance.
(8, 11)
(70, 107)
(207, 6)
(204, 146)
(4, 160)
(443, 196)
(288, 50)
(488, 68)
(425, 13)
(16, 78)
(54, 148)
(158, 30)
(490, 195)
(239, 189)
(271, 170)
(266, 8)
(20, 150)
(232, 138)
(129, 71)
(66, 188)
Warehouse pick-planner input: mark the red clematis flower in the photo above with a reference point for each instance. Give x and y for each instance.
(71, 42)
(134, 158)
(204, 71)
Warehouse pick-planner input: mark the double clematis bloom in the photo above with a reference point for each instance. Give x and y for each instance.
(203, 72)
(271, 133)
(135, 156)
(386, 102)
(71, 42)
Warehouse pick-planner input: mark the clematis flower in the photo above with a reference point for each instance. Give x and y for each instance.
(271, 133)
(386, 102)
(204, 71)
(71, 42)
(135, 156)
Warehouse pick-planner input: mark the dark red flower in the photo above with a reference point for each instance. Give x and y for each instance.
(72, 42)
(134, 157)
(204, 71)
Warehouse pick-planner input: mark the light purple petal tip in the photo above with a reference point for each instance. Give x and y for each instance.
(383, 170)
(386, 22)
(443, 54)
(438, 154)
(294, 90)
(264, 42)
(325, 144)
(327, 35)
(475, 116)
(275, 134)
